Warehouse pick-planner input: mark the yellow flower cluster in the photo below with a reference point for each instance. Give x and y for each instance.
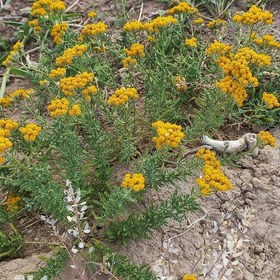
(169, 134)
(198, 21)
(270, 100)
(69, 54)
(35, 24)
(70, 84)
(91, 14)
(160, 22)
(216, 23)
(6, 126)
(135, 50)
(214, 178)
(218, 48)
(43, 83)
(93, 29)
(88, 91)
(189, 277)
(122, 95)
(43, 7)
(128, 61)
(228, 85)
(180, 83)
(5, 144)
(133, 26)
(58, 107)
(267, 40)
(191, 42)
(253, 57)
(253, 15)
(182, 7)
(75, 110)
(21, 93)
(30, 131)
(134, 181)
(14, 52)
(58, 72)
(57, 32)
(12, 202)
(267, 138)
(236, 67)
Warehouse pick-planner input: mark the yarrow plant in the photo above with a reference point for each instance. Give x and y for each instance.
(116, 116)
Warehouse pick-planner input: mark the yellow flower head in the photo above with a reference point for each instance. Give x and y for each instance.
(12, 202)
(134, 181)
(218, 48)
(44, 7)
(133, 26)
(213, 176)
(91, 14)
(70, 84)
(167, 134)
(30, 131)
(135, 49)
(58, 72)
(88, 91)
(189, 277)
(16, 94)
(75, 110)
(58, 107)
(7, 125)
(93, 29)
(267, 138)
(129, 61)
(5, 144)
(270, 100)
(158, 23)
(182, 7)
(57, 32)
(198, 21)
(217, 23)
(122, 95)
(17, 48)
(253, 15)
(69, 54)
(191, 42)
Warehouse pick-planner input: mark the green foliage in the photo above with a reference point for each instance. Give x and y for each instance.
(161, 168)
(37, 182)
(11, 242)
(53, 267)
(208, 119)
(216, 8)
(121, 265)
(114, 203)
(141, 225)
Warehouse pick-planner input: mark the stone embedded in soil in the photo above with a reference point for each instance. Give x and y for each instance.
(10, 269)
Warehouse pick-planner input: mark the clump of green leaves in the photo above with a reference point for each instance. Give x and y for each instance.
(141, 225)
(53, 267)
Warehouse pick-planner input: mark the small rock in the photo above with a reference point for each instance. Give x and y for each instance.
(250, 195)
(257, 183)
(262, 256)
(259, 265)
(249, 201)
(259, 248)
